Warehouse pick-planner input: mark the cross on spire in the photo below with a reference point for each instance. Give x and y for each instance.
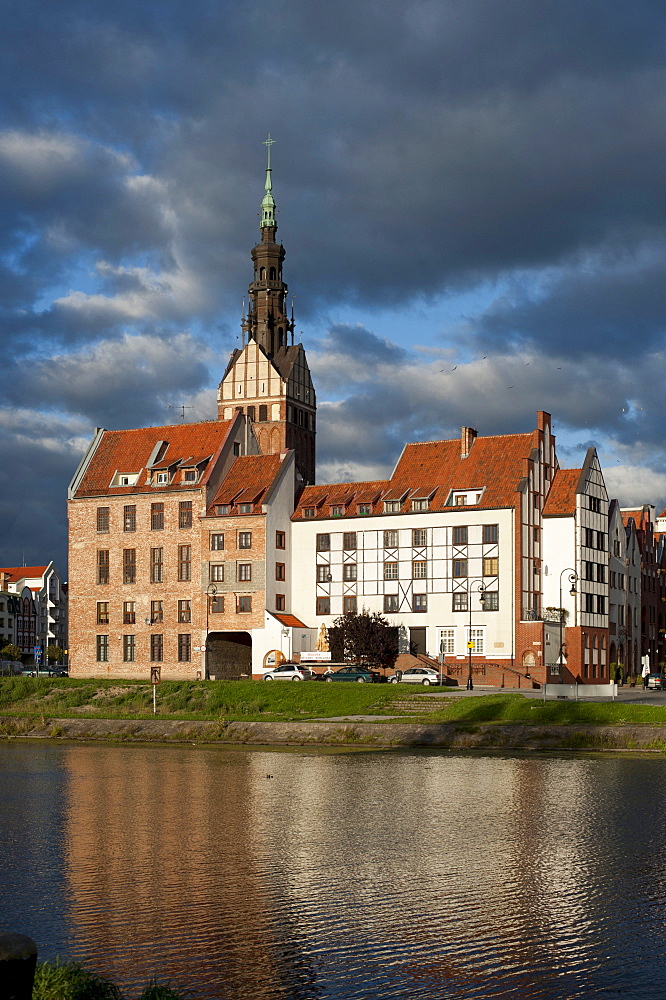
(268, 143)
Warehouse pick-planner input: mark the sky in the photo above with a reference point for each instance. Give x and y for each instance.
(470, 194)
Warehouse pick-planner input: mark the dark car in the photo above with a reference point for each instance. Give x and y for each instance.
(362, 675)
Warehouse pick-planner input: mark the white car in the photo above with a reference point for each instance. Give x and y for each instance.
(416, 675)
(288, 672)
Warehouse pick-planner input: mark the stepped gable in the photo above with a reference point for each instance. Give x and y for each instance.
(561, 501)
(130, 452)
(249, 478)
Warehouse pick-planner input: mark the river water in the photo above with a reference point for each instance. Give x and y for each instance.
(255, 875)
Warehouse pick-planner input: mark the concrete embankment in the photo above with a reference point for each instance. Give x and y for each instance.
(347, 732)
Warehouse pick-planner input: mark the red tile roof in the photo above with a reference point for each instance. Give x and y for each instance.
(21, 572)
(247, 481)
(494, 467)
(127, 452)
(290, 621)
(561, 500)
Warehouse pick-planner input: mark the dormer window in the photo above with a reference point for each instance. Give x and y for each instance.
(125, 479)
(391, 506)
(190, 475)
(337, 511)
(308, 512)
(420, 504)
(468, 498)
(162, 478)
(364, 508)
(222, 509)
(245, 508)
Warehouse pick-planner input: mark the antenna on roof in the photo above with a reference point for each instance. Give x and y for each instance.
(182, 408)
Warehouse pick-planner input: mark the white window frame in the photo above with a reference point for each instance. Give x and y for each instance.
(478, 637)
(447, 635)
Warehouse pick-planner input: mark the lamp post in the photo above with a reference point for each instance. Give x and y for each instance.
(211, 591)
(481, 588)
(572, 578)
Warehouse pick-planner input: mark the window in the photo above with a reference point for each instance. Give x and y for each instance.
(601, 540)
(589, 603)
(419, 569)
(217, 605)
(129, 613)
(129, 648)
(309, 512)
(460, 535)
(460, 602)
(323, 543)
(222, 509)
(349, 572)
(364, 508)
(244, 604)
(280, 573)
(102, 648)
(589, 538)
(190, 476)
(476, 636)
(129, 565)
(156, 565)
(601, 604)
(156, 516)
(459, 567)
(217, 542)
(491, 533)
(420, 504)
(490, 566)
(589, 570)
(102, 565)
(184, 562)
(280, 539)
(323, 605)
(594, 504)
(217, 572)
(102, 612)
(157, 648)
(337, 510)
(185, 514)
(460, 499)
(263, 412)
(156, 612)
(601, 573)
(391, 570)
(244, 572)
(390, 539)
(102, 518)
(245, 508)
(420, 602)
(244, 539)
(391, 506)
(447, 641)
(184, 611)
(279, 602)
(184, 648)
(349, 605)
(391, 602)
(419, 537)
(349, 541)
(491, 600)
(162, 478)
(323, 573)
(129, 517)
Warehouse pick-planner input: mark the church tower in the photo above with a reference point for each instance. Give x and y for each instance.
(269, 378)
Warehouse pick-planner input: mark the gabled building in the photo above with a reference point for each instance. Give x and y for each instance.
(653, 583)
(46, 624)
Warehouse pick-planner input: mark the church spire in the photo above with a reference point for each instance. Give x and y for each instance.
(268, 204)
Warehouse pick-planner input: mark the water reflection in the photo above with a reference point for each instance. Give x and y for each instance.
(246, 874)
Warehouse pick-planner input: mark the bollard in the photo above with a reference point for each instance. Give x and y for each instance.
(18, 958)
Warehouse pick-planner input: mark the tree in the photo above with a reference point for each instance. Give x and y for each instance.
(10, 652)
(366, 637)
(54, 653)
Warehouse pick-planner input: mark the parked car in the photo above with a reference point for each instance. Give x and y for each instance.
(354, 672)
(289, 672)
(416, 675)
(657, 682)
(58, 672)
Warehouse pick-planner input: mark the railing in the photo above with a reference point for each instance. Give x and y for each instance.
(544, 615)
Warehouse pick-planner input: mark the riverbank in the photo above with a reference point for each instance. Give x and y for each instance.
(345, 733)
(314, 714)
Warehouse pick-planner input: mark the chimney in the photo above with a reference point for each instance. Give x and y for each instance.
(467, 435)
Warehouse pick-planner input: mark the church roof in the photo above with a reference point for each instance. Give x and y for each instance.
(432, 471)
(131, 452)
(247, 482)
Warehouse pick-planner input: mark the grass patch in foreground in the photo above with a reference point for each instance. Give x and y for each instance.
(70, 981)
(515, 708)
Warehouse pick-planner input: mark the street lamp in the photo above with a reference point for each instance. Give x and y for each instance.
(481, 588)
(572, 578)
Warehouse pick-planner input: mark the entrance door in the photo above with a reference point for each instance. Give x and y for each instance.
(417, 641)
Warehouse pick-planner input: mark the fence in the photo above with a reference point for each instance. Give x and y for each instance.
(576, 691)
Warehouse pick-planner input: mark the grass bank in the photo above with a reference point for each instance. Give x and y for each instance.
(252, 701)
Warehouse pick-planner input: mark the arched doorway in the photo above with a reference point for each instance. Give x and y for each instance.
(228, 656)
